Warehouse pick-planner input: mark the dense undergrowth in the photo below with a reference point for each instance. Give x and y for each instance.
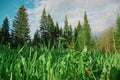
(28, 63)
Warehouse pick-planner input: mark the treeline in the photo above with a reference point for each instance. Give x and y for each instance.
(50, 34)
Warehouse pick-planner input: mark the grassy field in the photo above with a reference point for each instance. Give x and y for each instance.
(43, 63)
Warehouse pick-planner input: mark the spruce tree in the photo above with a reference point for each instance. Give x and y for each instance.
(70, 35)
(87, 32)
(70, 32)
(56, 33)
(57, 30)
(66, 32)
(79, 29)
(21, 26)
(117, 34)
(66, 28)
(0, 34)
(79, 40)
(13, 39)
(75, 34)
(61, 32)
(44, 28)
(5, 31)
(51, 29)
(36, 39)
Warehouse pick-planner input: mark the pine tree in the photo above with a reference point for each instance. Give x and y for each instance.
(66, 28)
(0, 34)
(21, 26)
(51, 29)
(61, 32)
(13, 39)
(75, 34)
(79, 29)
(36, 39)
(79, 36)
(57, 30)
(87, 32)
(44, 28)
(117, 34)
(70, 35)
(5, 31)
(70, 32)
(66, 32)
(56, 33)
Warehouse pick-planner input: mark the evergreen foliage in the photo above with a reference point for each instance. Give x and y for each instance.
(44, 28)
(5, 31)
(87, 32)
(0, 34)
(36, 39)
(66, 28)
(50, 34)
(68, 32)
(117, 34)
(79, 36)
(51, 29)
(21, 26)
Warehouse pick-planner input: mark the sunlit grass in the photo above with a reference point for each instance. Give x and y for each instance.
(46, 63)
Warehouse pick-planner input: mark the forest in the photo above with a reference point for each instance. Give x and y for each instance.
(58, 53)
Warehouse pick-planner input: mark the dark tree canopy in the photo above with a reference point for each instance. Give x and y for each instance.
(87, 32)
(79, 36)
(117, 34)
(36, 39)
(5, 31)
(50, 34)
(44, 28)
(21, 26)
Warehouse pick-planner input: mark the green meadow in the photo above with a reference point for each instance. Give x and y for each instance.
(46, 63)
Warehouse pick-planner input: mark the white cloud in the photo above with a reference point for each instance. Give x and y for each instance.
(101, 13)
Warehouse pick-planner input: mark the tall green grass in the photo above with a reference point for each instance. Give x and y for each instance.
(44, 63)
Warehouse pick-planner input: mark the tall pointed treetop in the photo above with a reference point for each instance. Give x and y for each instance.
(66, 27)
(21, 26)
(117, 34)
(87, 32)
(5, 31)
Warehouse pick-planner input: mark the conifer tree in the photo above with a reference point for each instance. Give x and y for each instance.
(13, 39)
(66, 28)
(56, 33)
(0, 34)
(75, 34)
(70, 35)
(117, 34)
(5, 31)
(87, 32)
(21, 26)
(79, 40)
(36, 39)
(70, 32)
(57, 30)
(79, 29)
(66, 32)
(44, 28)
(51, 29)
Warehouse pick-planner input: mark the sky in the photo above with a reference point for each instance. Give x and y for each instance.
(8, 8)
(101, 13)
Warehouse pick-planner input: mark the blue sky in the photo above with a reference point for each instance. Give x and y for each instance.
(101, 13)
(9, 8)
